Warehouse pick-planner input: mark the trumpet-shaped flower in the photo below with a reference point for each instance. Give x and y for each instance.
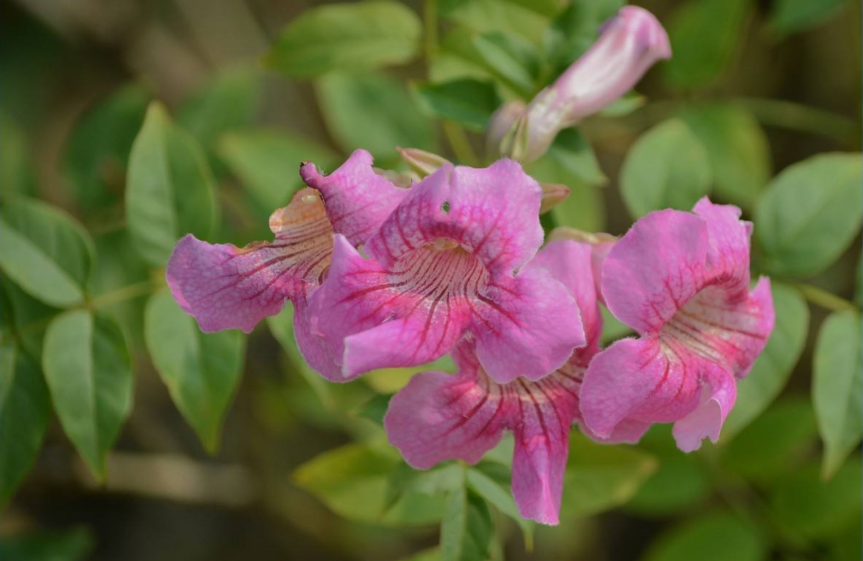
(680, 280)
(444, 264)
(439, 416)
(226, 287)
(629, 45)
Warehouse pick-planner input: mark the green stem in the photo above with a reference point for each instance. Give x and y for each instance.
(430, 24)
(799, 117)
(825, 299)
(121, 295)
(460, 144)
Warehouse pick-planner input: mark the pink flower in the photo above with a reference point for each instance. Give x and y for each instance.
(226, 287)
(439, 416)
(444, 264)
(681, 281)
(630, 44)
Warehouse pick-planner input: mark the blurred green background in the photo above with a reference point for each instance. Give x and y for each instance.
(301, 469)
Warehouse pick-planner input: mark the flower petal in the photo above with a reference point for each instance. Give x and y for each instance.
(571, 263)
(707, 419)
(439, 417)
(527, 326)
(357, 198)
(225, 287)
(649, 380)
(492, 213)
(728, 244)
(655, 268)
(407, 316)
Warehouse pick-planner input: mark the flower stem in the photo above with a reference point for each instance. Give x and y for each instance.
(825, 299)
(121, 295)
(460, 144)
(430, 24)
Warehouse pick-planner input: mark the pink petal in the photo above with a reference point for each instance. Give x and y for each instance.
(630, 44)
(707, 419)
(376, 318)
(728, 244)
(571, 263)
(492, 213)
(439, 417)
(645, 381)
(314, 349)
(443, 263)
(655, 268)
(225, 287)
(527, 327)
(357, 198)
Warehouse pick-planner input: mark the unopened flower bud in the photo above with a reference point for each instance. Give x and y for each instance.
(552, 195)
(630, 43)
(422, 162)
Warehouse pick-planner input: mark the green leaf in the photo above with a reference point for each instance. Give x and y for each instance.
(810, 214)
(16, 174)
(227, 102)
(281, 326)
(72, 545)
(575, 29)
(201, 370)
(169, 191)
(679, 483)
(355, 36)
(431, 554)
(353, 481)
(375, 408)
(809, 509)
(771, 370)
(704, 38)
(25, 408)
(45, 252)
(513, 59)
(572, 151)
(666, 167)
(791, 16)
(30, 316)
(585, 207)
(267, 162)
(484, 16)
(465, 101)
(736, 147)
(837, 387)
(98, 150)
(373, 111)
(465, 532)
(773, 443)
(89, 372)
(717, 536)
(600, 477)
(500, 496)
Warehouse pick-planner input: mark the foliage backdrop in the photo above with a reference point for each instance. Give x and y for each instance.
(126, 433)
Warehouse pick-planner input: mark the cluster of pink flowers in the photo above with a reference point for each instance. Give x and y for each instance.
(386, 276)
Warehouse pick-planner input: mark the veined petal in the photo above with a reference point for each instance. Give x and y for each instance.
(357, 198)
(571, 263)
(226, 287)
(491, 213)
(439, 417)
(406, 316)
(655, 269)
(728, 245)
(646, 380)
(443, 264)
(527, 326)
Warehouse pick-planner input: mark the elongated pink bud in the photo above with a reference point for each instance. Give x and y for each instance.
(630, 43)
